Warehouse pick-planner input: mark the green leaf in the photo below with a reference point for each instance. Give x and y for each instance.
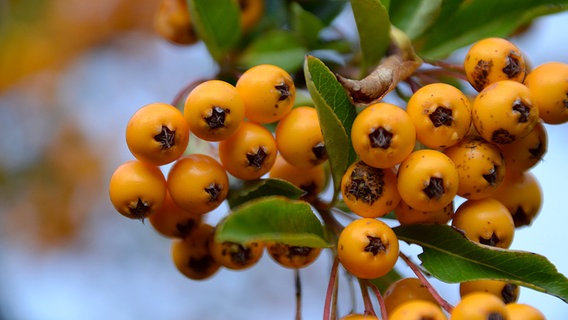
(274, 16)
(217, 23)
(336, 115)
(306, 26)
(325, 10)
(450, 257)
(277, 47)
(373, 26)
(414, 16)
(477, 19)
(273, 219)
(263, 188)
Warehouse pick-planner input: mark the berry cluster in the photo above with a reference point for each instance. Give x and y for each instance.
(444, 145)
(413, 162)
(232, 118)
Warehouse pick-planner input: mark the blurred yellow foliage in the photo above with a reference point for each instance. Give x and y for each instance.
(46, 200)
(35, 35)
(53, 197)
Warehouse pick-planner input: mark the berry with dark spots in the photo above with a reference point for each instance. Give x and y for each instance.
(291, 256)
(491, 60)
(368, 191)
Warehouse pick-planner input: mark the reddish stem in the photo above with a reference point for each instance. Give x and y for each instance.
(379, 299)
(441, 301)
(444, 72)
(414, 85)
(446, 65)
(369, 310)
(330, 290)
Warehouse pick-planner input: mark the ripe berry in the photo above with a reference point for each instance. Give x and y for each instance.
(504, 112)
(198, 183)
(406, 290)
(508, 292)
(172, 221)
(526, 152)
(157, 133)
(522, 195)
(548, 84)
(521, 311)
(383, 135)
(367, 248)
(368, 191)
(406, 214)
(249, 153)
(480, 166)
(299, 138)
(290, 256)
(251, 13)
(236, 256)
(311, 180)
(493, 59)
(173, 22)
(137, 189)
(427, 180)
(418, 310)
(268, 92)
(486, 221)
(191, 255)
(214, 110)
(480, 306)
(441, 114)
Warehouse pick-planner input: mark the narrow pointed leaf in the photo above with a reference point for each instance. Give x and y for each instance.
(325, 10)
(217, 23)
(373, 27)
(276, 47)
(263, 188)
(414, 16)
(336, 115)
(306, 26)
(273, 219)
(450, 257)
(477, 19)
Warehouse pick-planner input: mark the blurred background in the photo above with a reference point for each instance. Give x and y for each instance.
(71, 75)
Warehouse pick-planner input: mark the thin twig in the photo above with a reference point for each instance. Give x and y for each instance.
(298, 294)
(330, 290)
(441, 301)
(185, 91)
(379, 299)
